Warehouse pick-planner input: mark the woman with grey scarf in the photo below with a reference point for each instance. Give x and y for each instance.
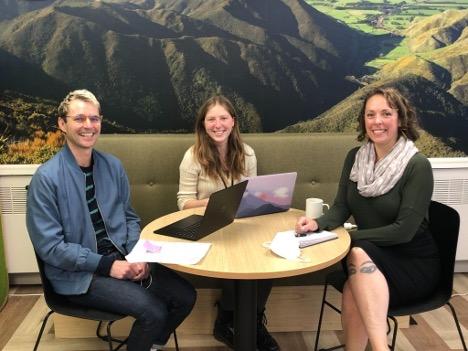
(386, 185)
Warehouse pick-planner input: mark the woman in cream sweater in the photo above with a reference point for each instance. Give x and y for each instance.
(219, 159)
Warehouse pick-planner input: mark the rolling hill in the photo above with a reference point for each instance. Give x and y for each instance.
(22, 116)
(443, 118)
(434, 78)
(440, 53)
(153, 63)
(437, 31)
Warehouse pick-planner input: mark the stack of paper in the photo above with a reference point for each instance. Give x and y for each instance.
(315, 238)
(168, 252)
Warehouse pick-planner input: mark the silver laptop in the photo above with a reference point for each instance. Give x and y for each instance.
(267, 194)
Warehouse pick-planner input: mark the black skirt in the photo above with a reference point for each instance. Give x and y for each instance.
(409, 278)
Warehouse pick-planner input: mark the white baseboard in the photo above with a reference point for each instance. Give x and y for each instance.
(461, 266)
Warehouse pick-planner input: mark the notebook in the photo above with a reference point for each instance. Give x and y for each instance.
(267, 194)
(315, 238)
(219, 212)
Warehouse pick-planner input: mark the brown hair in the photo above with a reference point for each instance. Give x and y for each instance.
(205, 150)
(406, 113)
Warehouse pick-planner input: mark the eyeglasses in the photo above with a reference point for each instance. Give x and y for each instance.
(81, 119)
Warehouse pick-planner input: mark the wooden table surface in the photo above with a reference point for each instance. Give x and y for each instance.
(237, 252)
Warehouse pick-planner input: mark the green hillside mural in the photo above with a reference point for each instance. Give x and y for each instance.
(288, 65)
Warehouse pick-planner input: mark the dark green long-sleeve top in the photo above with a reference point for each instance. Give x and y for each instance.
(398, 217)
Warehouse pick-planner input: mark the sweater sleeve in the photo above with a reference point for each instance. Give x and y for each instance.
(416, 195)
(43, 219)
(131, 218)
(250, 161)
(188, 179)
(105, 265)
(339, 212)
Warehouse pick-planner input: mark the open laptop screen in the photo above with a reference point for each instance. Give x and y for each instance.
(267, 194)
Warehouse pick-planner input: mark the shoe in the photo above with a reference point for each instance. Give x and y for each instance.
(223, 330)
(265, 342)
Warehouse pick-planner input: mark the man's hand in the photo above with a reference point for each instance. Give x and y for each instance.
(122, 269)
(141, 270)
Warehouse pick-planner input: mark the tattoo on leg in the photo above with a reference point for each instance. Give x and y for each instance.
(368, 267)
(351, 269)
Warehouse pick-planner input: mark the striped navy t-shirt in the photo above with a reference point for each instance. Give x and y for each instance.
(104, 244)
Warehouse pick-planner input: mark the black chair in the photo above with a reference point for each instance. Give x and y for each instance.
(57, 303)
(444, 225)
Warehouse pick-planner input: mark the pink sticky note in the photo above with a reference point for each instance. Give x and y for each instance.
(151, 247)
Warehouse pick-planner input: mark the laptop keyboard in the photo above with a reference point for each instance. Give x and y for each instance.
(190, 231)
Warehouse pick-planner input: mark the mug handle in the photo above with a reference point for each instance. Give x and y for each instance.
(328, 207)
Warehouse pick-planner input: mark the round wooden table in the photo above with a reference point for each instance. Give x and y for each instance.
(237, 253)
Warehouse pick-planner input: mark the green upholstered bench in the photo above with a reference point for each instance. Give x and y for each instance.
(152, 163)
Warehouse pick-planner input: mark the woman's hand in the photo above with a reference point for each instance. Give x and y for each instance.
(304, 225)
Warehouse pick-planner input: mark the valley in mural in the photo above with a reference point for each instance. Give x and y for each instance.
(288, 65)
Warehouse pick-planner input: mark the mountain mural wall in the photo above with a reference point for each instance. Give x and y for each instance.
(285, 65)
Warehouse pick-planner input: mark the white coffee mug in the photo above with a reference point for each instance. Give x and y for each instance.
(314, 207)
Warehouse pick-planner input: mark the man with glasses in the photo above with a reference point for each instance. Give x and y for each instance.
(82, 225)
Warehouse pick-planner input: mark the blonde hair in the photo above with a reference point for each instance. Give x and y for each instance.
(81, 94)
(205, 150)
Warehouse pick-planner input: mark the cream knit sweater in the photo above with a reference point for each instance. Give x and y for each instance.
(195, 184)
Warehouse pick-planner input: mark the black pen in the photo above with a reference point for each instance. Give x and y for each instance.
(301, 234)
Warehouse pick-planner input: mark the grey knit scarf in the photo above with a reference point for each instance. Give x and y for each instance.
(377, 178)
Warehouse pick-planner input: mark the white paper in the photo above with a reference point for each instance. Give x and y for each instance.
(311, 238)
(168, 252)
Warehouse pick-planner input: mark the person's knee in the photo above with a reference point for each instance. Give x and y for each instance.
(356, 255)
(190, 297)
(153, 316)
(184, 299)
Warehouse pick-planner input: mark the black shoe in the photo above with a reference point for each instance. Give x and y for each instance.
(223, 330)
(265, 341)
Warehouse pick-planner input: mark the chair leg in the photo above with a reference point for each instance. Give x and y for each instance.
(319, 326)
(395, 331)
(104, 337)
(44, 322)
(454, 314)
(108, 337)
(175, 341)
(342, 346)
